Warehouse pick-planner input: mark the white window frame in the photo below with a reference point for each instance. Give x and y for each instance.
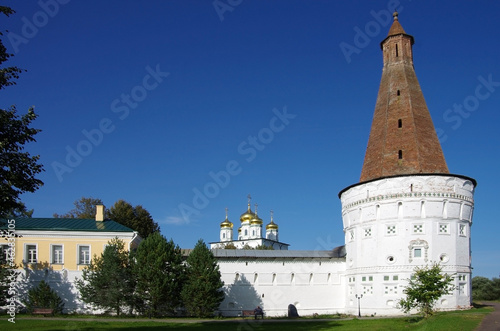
(390, 226)
(78, 250)
(52, 257)
(447, 226)
(27, 255)
(464, 234)
(418, 244)
(416, 224)
(368, 232)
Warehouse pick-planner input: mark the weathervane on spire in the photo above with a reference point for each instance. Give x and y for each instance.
(272, 212)
(395, 15)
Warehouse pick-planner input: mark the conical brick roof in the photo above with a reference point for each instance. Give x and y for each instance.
(403, 139)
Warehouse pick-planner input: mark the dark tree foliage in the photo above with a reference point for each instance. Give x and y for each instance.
(137, 218)
(107, 282)
(485, 289)
(7, 74)
(42, 296)
(84, 208)
(202, 293)
(17, 167)
(159, 273)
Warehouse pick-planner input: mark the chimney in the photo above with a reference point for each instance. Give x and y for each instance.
(99, 215)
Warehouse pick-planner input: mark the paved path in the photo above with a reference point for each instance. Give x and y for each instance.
(492, 321)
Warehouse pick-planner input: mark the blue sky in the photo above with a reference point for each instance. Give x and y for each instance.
(152, 102)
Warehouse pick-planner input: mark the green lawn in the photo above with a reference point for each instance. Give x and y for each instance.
(456, 321)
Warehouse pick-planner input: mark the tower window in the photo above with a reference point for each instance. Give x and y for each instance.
(397, 53)
(400, 123)
(398, 92)
(400, 154)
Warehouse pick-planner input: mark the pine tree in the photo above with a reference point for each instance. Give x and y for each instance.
(159, 272)
(108, 282)
(202, 293)
(42, 296)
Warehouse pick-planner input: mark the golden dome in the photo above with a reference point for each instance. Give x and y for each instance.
(226, 223)
(248, 215)
(256, 220)
(272, 226)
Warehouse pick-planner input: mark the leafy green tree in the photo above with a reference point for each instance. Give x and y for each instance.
(202, 293)
(84, 208)
(485, 289)
(42, 296)
(108, 281)
(137, 218)
(425, 287)
(8, 74)
(159, 272)
(18, 169)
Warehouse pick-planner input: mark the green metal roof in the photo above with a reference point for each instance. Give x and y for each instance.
(65, 224)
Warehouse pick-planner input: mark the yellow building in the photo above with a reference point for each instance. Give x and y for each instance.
(58, 249)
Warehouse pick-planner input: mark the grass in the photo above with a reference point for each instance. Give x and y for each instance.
(455, 321)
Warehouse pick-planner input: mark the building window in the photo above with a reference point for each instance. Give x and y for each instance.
(399, 93)
(83, 254)
(400, 122)
(444, 228)
(418, 228)
(391, 229)
(397, 53)
(462, 230)
(418, 249)
(368, 232)
(57, 254)
(369, 278)
(4, 253)
(351, 235)
(31, 253)
(400, 154)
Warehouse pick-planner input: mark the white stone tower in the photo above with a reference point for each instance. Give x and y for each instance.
(256, 226)
(245, 218)
(272, 230)
(226, 230)
(407, 210)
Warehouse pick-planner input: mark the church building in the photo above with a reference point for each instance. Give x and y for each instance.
(406, 211)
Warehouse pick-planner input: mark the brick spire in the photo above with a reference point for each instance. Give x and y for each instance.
(402, 139)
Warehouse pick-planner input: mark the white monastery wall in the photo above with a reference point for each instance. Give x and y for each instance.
(313, 285)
